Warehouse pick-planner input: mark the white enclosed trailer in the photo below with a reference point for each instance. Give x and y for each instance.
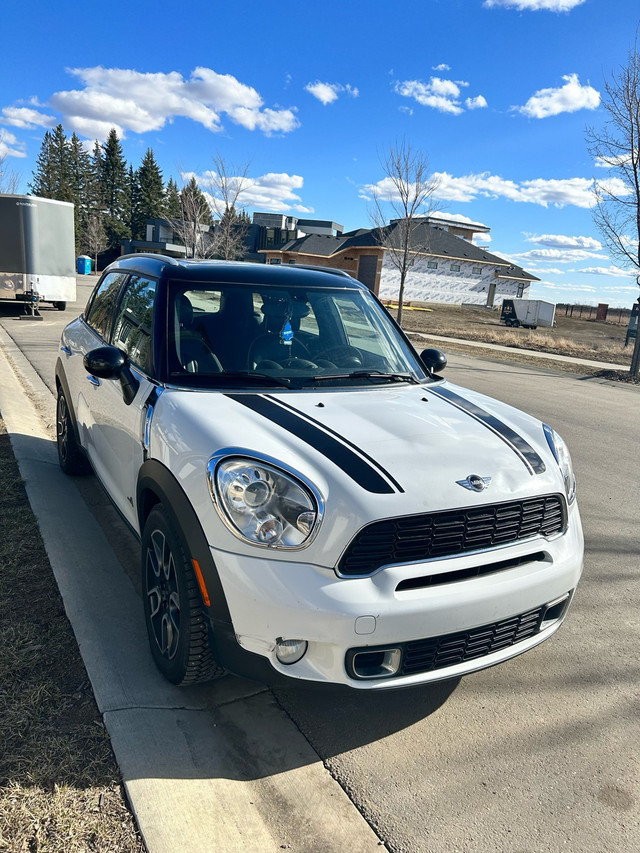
(529, 313)
(37, 250)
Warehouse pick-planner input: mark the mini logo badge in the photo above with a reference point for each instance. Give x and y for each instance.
(475, 483)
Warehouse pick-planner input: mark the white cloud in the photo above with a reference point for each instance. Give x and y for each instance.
(273, 191)
(535, 5)
(579, 288)
(567, 99)
(10, 146)
(578, 192)
(477, 103)
(442, 95)
(561, 241)
(26, 118)
(327, 93)
(442, 67)
(140, 102)
(559, 256)
(615, 271)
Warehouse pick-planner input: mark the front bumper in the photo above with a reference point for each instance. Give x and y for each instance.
(344, 617)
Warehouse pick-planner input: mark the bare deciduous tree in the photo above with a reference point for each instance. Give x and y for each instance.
(401, 202)
(95, 237)
(9, 179)
(193, 226)
(617, 146)
(228, 182)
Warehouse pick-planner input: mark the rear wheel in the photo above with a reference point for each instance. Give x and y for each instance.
(176, 625)
(72, 460)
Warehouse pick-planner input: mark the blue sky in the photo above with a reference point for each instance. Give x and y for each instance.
(496, 93)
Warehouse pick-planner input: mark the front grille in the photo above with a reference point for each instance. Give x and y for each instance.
(440, 652)
(416, 538)
(433, 653)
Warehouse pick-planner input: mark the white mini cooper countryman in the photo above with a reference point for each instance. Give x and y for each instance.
(312, 499)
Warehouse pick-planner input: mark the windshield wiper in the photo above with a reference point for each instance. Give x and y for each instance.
(369, 374)
(251, 376)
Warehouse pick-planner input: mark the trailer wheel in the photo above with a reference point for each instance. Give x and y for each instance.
(61, 306)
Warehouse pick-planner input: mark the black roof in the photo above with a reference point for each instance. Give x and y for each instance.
(274, 275)
(432, 240)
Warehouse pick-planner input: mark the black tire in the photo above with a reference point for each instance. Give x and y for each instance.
(72, 460)
(61, 306)
(173, 609)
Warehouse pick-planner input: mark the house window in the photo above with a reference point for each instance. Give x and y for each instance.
(476, 270)
(455, 267)
(292, 260)
(275, 261)
(432, 265)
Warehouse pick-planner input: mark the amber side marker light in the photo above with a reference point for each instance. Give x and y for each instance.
(201, 583)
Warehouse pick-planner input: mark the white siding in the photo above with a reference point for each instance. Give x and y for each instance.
(443, 285)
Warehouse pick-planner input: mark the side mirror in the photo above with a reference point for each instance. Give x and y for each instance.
(433, 359)
(112, 363)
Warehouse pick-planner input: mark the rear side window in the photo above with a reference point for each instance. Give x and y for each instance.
(102, 307)
(132, 328)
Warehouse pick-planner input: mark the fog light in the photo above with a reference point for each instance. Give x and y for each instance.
(378, 663)
(290, 651)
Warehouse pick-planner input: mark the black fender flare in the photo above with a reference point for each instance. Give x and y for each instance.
(156, 484)
(61, 382)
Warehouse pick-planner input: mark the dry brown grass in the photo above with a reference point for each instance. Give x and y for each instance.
(60, 790)
(577, 337)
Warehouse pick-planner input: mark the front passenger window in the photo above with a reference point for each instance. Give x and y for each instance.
(132, 327)
(103, 304)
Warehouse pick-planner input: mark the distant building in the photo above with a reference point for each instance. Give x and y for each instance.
(453, 269)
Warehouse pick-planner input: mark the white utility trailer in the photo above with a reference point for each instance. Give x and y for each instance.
(37, 250)
(529, 313)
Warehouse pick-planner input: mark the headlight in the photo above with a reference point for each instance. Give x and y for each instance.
(263, 504)
(563, 458)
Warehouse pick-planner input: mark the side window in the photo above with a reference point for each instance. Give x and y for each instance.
(103, 303)
(132, 327)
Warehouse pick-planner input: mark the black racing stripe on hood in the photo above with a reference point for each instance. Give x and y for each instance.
(361, 471)
(344, 440)
(533, 462)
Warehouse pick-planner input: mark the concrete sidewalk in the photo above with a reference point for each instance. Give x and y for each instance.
(548, 356)
(217, 767)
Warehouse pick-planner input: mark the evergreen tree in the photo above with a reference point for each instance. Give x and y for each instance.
(132, 216)
(44, 175)
(52, 177)
(114, 186)
(172, 201)
(79, 178)
(192, 199)
(194, 222)
(150, 201)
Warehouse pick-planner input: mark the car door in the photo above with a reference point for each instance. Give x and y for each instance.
(114, 429)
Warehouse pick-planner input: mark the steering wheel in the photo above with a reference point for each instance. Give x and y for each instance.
(299, 364)
(343, 356)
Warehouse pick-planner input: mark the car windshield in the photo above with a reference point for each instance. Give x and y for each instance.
(258, 336)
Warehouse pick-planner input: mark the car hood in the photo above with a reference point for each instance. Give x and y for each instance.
(383, 451)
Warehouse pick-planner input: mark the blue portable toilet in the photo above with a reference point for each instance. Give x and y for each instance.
(84, 265)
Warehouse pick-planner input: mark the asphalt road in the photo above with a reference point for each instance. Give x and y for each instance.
(543, 752)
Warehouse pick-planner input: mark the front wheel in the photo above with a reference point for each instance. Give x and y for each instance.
(174, 617)
(72, 460)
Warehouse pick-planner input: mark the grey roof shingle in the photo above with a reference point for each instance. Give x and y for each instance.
(433, 241)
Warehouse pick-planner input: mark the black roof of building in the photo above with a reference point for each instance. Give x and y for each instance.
(430, 240)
